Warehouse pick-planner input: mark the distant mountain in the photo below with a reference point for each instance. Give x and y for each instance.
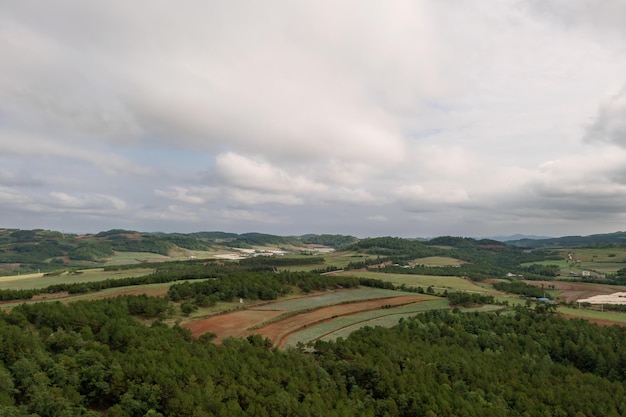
(604, 239)
(518, 236)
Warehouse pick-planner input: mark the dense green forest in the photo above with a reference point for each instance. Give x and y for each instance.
(97, 358)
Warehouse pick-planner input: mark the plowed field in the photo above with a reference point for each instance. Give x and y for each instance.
(238, 324)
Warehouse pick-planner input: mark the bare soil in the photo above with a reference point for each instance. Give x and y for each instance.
(572, 291)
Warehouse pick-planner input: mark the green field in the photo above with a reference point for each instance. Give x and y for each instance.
(594, 314)
(342, 259)
(439, 283)
(438, 261)
(33, 281)
(333, 298)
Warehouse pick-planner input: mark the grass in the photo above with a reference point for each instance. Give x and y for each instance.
(33, 281)
(130, 258)
(615, 316)
(332, 298)
(424, 281)
(342, 259)
(439, 261)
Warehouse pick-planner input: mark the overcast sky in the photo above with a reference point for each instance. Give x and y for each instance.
(370, 118)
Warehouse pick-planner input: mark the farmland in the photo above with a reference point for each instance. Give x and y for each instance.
(438, 261)
(439, 283)
(597, 260)
(280, 320)
(31, 281)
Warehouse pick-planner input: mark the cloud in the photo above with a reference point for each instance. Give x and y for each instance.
(379, 218)
(610, 123)
(191, 195)
(605, 17)
(26, 144)
(256, 174)
(12, 197)
(12, 178)
(90, 201)
(417, 194)
(431, 115)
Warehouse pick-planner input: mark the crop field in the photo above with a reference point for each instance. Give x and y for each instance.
(278, 320)
(32, 281)
(344, 325)
(439, 261)
(599, 317)
(332, 298)
(279, 331)
(130, 258)
(342, 259)
(440, 283)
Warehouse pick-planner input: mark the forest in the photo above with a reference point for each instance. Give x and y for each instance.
(98, 358)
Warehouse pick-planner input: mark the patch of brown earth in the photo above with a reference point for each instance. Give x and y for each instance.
(572, 291)
(231, 324)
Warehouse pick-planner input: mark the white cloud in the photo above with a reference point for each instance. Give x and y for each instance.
(249, 173)
(91, 201)
(610, 123)
(436, 194)
(191, 195)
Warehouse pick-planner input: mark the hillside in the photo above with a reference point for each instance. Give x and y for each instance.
(604, 239)
(43, 250)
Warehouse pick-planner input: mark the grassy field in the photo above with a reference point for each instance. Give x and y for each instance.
(614, 316)
(32, 281)
(439, 283)
(438, 261)
(333, 298)
(342, 259)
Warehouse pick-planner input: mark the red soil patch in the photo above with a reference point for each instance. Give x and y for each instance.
(572, 291)
(237, 324)
(231, 324)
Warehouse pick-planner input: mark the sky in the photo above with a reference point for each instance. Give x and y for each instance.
(405, 118)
